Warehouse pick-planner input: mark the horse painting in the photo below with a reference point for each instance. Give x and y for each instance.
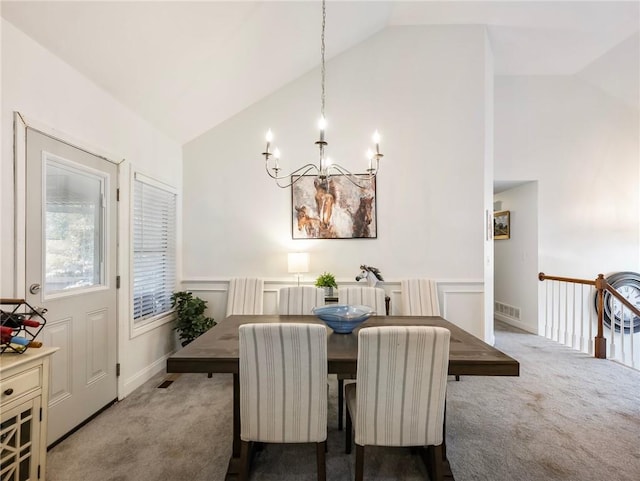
(362, 218)
(371, 274)
(311, 225)
(325, 198)
(332, 208)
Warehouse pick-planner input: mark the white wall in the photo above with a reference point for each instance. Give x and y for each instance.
(516, 258)
(43, 88)
(424, 89)
(582, 147)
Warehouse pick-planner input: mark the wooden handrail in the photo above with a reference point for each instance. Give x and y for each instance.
(618, 296)
(543, 277)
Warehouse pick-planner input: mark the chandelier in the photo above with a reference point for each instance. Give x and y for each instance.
(325, 167)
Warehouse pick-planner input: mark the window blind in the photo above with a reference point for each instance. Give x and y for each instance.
(154, 249)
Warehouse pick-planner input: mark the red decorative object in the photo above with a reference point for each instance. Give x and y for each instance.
(19, 325)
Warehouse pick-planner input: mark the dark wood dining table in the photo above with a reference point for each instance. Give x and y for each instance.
(217, 351)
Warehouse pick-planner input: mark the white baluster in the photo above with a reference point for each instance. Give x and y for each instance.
(592, 291)
(583, 320)
(612, 344)
(547, 307)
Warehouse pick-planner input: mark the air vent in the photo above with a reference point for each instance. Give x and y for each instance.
(507, 310)
(168, 381)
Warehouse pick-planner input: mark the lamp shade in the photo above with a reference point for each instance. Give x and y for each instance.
(298, 262)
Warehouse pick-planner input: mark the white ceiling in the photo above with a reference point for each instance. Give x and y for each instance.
(187, 66)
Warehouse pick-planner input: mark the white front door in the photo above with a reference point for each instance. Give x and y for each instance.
(71, 232)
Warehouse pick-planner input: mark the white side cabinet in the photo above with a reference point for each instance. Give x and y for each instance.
(24, 392)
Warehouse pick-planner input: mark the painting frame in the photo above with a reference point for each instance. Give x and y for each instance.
(502, 225)
(333, 208)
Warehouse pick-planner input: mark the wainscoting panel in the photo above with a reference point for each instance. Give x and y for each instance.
(461, 301)
(464, 309)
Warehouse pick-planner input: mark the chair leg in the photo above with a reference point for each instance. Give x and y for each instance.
(340, 403)
(347, 434)
(360, 463)
(244, 461)
(435, 459)
(321, 460)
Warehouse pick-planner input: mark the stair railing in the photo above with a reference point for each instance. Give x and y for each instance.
(599, 346)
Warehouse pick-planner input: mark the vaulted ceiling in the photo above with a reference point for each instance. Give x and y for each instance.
(187, 66)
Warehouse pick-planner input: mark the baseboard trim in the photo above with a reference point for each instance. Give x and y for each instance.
(514, 323)
(142, 376)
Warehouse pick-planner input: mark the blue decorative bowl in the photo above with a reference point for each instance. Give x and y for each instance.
(343, 318)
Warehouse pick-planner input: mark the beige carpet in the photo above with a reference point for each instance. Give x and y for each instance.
(567, 417)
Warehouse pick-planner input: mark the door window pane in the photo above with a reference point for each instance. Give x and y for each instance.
(74, 228)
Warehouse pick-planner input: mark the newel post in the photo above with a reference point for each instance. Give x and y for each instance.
(600, 343)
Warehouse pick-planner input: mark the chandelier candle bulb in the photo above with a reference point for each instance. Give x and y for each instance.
(276, 155)
(322, 124)
(376, 140)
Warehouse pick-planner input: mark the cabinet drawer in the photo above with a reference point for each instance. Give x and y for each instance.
(15, 386)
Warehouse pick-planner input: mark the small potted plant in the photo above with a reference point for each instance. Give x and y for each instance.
(190, 321)
(328, 282)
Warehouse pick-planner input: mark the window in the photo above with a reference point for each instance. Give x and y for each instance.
(154, 248)
(74, 226)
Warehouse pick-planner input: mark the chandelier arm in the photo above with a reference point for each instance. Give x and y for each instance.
(305, 169)
(299, 176)
(353, 178)
(308, 168)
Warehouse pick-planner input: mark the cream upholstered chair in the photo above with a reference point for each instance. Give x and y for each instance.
(245, 296)
(283, 387)
(365, 296)
(419, 297)
(299, 300)
(398, 398)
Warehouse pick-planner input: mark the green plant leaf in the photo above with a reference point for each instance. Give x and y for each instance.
(190, 319)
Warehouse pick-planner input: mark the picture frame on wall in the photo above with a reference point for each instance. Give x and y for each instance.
(501, 225)
(333, 208)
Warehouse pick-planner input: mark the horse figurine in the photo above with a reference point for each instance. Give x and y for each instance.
(371, 274)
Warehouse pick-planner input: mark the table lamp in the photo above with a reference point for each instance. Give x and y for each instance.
(298, 263)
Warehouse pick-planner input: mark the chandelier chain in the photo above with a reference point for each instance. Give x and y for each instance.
(322, 69)
(325, 167)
